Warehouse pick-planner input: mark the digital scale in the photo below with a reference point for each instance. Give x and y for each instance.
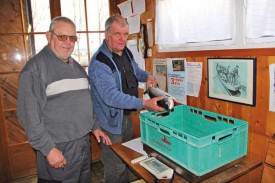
(157, 168)
(183, 172)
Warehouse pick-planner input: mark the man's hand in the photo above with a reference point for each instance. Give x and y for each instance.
(99, 133)
(152, 105)
(151, 81)
(56, 159)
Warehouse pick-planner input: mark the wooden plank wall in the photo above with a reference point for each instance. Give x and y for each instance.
(17, 157)
(261, 121)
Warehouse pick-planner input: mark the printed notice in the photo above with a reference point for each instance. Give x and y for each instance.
(160, 72)
(194, 76)
(125, 8)
(176, 79)
(133, 46)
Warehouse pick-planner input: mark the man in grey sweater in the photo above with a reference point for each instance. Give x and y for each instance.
(55, 108)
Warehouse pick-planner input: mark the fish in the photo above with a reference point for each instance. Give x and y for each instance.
(167, 102)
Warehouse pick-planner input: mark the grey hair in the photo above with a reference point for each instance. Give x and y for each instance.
(115, 19)
(58, 19)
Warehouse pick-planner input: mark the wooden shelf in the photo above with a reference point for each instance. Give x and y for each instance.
(17, 144)
(15, 131)
(10, 72)
(10, 109)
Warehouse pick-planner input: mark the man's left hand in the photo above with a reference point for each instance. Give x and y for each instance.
(105, 139)
(151, 81)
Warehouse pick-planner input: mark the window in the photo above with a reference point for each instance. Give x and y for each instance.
(97, 13)
(260, 25)
(88, 15)
(39, 21)
(214, 24)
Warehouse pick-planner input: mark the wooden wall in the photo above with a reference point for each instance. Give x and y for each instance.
(16, 154)
(261, 121)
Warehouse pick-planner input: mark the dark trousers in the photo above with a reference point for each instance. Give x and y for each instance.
(115, 171)
(77, 169)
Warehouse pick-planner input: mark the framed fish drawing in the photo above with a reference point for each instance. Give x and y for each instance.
(232, 79)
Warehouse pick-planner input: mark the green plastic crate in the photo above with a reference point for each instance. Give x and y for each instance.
(198, 140)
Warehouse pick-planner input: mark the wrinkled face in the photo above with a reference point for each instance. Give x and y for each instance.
(62, 49)
(116, 37)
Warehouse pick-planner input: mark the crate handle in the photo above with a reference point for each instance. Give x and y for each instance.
(225, 138)
(161, 114)
(210, 118)
(164, 132)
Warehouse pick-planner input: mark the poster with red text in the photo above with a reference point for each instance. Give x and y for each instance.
(176, 79)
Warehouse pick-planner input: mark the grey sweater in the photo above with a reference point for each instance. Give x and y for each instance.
(54, 101)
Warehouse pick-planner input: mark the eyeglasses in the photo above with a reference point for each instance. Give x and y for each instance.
(64, 37)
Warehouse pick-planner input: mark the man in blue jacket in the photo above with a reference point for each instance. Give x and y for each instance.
(114, 77)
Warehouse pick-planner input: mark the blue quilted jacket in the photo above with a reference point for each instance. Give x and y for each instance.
(106, 89)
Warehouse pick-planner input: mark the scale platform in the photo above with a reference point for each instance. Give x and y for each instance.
(182, 171)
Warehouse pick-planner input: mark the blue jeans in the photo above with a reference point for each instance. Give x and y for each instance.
(115, 171)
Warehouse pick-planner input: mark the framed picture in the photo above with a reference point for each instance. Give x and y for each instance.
(232, 79)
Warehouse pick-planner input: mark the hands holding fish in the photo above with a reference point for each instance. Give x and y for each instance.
(152, 105)
(160, 100)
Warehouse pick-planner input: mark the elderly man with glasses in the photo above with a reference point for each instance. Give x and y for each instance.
(114, 77)
(55, 108)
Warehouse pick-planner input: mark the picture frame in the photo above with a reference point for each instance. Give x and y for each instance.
(232, 79)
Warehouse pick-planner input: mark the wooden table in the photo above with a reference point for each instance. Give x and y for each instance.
(232, 173)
